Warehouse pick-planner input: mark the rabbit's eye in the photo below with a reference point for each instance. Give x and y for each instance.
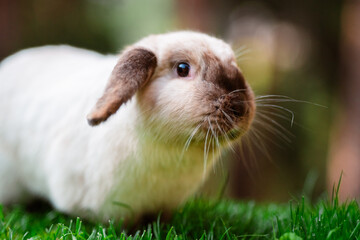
(183, 69)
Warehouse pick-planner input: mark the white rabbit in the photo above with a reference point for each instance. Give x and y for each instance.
(172, 98)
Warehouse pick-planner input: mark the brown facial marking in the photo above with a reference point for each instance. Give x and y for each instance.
(229, 80)
(226, 76)
(134, 68)
(230, 96)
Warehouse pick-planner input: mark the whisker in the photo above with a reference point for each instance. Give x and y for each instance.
(251, 150)
(278, 125)
(212, 145)
(242, 155)
(227, 116)
(187, 144)
(224, 135)
(227, 139)
(282, 98)
(275, 114)
(205, 152)
(211, 128)
(274, 131)
(207, 155)
(240, 58)
(234, 91)
(263, 135)
(238, 90)
(273, 96)
(239, 49)
(241, 55)
(213, 137)
(188, 141)
(272, 100)
(279, 107)
(261, 146)
(252, 156)
(242, 101)
(218, 149)
(216, 135)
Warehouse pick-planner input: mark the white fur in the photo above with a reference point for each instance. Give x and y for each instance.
(47, 149)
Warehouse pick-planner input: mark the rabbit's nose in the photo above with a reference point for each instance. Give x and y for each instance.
(234, 104)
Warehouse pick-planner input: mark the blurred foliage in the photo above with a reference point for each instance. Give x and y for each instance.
(105, 26)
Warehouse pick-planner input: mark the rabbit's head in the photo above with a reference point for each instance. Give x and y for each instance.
(186, 83)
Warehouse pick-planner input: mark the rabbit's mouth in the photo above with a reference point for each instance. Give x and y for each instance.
(230, 116)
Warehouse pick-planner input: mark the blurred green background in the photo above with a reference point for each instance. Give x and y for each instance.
(290, 48)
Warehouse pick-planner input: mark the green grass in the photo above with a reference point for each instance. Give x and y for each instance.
(199, 219)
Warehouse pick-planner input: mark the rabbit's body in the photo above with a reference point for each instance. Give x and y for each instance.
(90, 175)
(139, 161)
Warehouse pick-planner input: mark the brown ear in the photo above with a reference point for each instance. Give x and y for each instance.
(134, 68)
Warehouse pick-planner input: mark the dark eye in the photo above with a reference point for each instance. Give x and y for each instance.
(183, 69)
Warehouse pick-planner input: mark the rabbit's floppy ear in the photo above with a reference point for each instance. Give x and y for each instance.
(134, 68)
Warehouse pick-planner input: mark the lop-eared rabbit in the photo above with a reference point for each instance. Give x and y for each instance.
(155, 112)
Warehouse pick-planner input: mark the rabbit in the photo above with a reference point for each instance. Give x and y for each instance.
(109, 137)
